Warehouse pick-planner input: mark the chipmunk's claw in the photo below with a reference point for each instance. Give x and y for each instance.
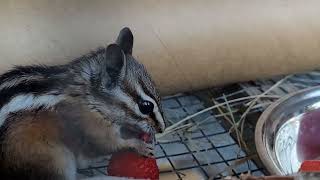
(143, 148)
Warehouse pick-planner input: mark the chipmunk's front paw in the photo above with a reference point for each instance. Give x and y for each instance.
(143, 148)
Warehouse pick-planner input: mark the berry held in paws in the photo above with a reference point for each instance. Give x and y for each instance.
(132, 165)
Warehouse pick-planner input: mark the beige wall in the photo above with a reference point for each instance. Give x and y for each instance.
(185, 44)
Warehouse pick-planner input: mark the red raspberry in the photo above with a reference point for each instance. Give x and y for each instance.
(308, 143)
(133, 165)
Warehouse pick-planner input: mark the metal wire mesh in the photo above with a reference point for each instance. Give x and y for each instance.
(209, 149)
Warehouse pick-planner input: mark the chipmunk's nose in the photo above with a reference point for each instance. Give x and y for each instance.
(157, 126)
(160, 125)
(160, 130)
(158, 122)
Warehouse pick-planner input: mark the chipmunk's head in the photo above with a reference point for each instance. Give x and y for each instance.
(121, 89)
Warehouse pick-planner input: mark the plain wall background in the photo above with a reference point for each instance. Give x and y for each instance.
(186, 45)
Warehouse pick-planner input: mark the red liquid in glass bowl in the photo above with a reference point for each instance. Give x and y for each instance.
(308, 143)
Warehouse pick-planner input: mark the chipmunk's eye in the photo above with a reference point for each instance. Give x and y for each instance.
(146, 107)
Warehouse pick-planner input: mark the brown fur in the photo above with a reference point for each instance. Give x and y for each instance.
(86, 132)
(33, 142)
(51, 141)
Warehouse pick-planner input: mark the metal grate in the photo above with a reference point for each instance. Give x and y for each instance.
(209, 148)
(216, 146)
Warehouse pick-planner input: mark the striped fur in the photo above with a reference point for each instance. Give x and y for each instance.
(28, 102)
(92, 102)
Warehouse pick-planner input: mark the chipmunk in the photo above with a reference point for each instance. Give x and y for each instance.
(52, 116)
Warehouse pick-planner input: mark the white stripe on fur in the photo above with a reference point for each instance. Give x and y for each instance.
(156, 111)
(123, 97)
(28, 102)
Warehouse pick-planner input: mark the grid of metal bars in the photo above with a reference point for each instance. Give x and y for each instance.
(216, 149)
(226, 152)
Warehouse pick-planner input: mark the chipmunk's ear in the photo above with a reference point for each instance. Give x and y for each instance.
(115, 63)
(125, 40)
